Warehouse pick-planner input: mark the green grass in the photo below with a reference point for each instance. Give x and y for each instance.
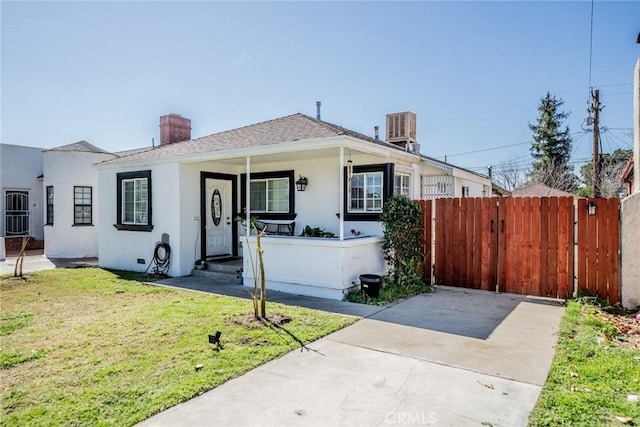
(92, 347)
(591, 377)
(388, 293)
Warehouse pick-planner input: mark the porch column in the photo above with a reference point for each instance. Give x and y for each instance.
(415, 184)
(341, 193)
(248, 198)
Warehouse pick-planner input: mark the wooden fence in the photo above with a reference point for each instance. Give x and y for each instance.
(524, 245)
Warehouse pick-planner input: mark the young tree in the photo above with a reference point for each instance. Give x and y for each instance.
(551, 147)
(510, 174)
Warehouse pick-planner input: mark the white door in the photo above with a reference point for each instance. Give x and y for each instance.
(219, 224)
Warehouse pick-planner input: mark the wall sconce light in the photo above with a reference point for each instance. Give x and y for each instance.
(592, 208)
(301, 183)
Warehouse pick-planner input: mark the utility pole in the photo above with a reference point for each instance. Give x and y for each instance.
(595, 108)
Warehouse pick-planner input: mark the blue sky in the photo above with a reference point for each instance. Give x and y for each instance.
(473, 72)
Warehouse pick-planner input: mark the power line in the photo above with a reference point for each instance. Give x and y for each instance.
(494, 148)
(619, 139)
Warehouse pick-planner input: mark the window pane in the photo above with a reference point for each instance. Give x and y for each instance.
(374, 192)
(357, 193)
(50, 205)
(278, 195)
(82, 215)
(258, 198)
(135, 204)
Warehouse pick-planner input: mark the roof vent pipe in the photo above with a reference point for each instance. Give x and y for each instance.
(318, 104)
(376, 132)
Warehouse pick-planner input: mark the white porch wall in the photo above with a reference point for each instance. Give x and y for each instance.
(64, 170)
(318, 267)
(120, 249)
(20, 167)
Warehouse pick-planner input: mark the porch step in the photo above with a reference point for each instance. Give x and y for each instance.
(222, 271)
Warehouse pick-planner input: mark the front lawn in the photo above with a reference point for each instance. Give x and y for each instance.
(595, 369)
(93, 347)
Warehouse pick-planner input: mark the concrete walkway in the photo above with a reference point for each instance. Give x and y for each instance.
(450, 358)
(36, 261)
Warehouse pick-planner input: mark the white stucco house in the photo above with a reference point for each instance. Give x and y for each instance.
(192, 190)
(71, 212)
(21, 205)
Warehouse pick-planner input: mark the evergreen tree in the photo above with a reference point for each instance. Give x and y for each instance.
(551, 147)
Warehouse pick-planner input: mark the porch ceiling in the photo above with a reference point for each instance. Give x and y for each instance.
(280, 157)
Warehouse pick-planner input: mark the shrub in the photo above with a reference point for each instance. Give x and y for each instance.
(402, 240)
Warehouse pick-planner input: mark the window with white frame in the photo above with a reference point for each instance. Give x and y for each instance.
(134, 201)
(465, 191)
(16, 213)
(366, 192)
(402, 184)
(270, 195)
(82, 206)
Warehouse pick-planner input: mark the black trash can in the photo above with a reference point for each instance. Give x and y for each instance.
(370, 284)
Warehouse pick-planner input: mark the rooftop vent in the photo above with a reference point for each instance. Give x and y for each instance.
(401, 129)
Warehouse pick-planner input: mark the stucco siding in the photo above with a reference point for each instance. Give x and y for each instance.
(63, 171)
(20, 168)
(630, 231)
(121, 249)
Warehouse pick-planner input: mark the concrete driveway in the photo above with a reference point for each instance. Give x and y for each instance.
(451, 358)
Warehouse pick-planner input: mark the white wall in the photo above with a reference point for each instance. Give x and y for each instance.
(319, 267)
(20, 167)
(630, 251)
(636, 128)
(63, 170)
(120, 249)
(476, 187)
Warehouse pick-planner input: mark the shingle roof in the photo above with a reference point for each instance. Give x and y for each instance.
(83, 146)
(285, 129)
(540, 190)
(290, 128)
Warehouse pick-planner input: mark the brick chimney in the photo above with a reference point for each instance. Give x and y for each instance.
(174, 128)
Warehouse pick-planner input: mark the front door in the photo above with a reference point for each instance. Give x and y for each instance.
(219, 223)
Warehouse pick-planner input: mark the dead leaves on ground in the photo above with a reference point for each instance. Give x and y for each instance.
(627, 329)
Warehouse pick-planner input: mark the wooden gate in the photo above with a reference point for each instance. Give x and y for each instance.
(525, 245)
(599, 248)
(465, 242)
(536, 246)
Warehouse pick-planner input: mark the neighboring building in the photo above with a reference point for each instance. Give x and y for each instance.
(498, 191)
(540, 190)
(627, 176)
(71, 200)
(21, 202)
(190, 191)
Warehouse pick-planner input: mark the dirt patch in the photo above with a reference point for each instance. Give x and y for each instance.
(252, 322)
(627, 328)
